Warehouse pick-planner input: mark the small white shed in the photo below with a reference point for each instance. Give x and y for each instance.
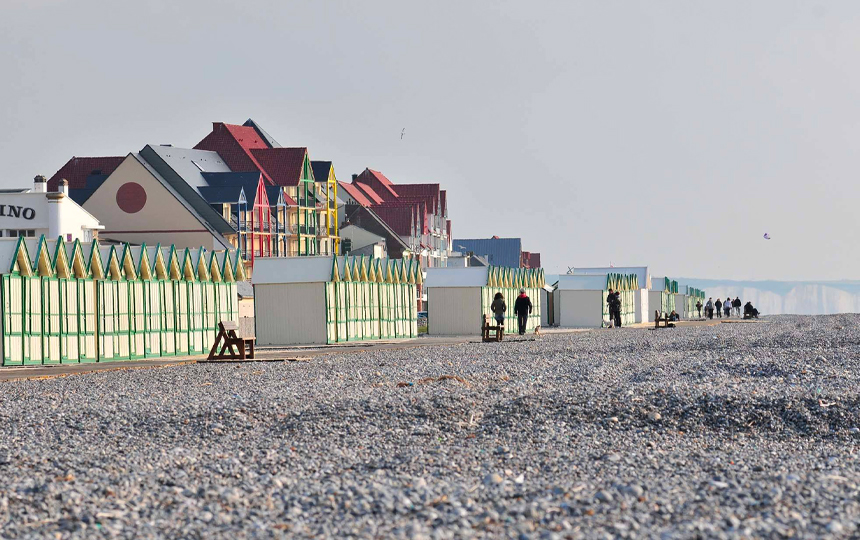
(458, 298)
(640, 295)
(322, 300)
(579, 301)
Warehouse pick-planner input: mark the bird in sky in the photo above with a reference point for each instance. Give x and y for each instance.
(402, 133)
(766, 236)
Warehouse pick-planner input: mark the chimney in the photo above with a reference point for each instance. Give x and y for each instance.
(64, 187)
(354, 176)
(40, 185)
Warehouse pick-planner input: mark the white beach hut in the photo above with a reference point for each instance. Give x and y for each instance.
(580, 301)
(321, 300)
(640, 295)
(458, 298)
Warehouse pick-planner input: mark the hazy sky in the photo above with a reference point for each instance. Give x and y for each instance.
(672, 134)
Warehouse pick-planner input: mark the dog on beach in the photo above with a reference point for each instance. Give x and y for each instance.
(537, 330)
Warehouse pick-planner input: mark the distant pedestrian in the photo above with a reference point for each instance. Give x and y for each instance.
(499, 308)
(737, 305)
(699, 307)
(522, 309)
(728, 307)
(709, 308)
(614, 301)
(719, 305)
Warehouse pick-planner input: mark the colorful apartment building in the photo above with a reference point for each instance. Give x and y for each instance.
(248, 148)
(237, 189)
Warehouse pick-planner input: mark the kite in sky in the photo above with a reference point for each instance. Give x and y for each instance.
(766, 236)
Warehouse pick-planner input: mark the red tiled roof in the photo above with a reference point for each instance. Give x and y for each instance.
(367, 190)
(399, 218)
(419, 208)
(234, 144)
(377, 181)
(428, 192)
(284, 165)
(77, 169)
(355, 193)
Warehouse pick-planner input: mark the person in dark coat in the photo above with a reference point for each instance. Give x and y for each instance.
(737, 305)
(699, 307)
(719, 305)
(522, 309)
(499, 308)
(614, 301)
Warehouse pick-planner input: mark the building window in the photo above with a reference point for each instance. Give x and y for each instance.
(15, 233)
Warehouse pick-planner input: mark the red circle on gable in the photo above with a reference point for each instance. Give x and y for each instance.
(131, 197)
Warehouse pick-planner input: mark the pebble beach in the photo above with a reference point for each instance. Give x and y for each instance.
(727, 431)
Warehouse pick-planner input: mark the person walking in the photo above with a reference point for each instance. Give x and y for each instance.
(709, 308)
(614, 301)
(617, 309)
(699, 307)
(499, 308)
(719, 305)
(737, 305)
(522, 309)
(728, 307)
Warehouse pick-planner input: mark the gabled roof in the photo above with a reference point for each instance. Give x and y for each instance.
(234, 144)
(185, 194)
(283, 165)
(322, 169)
(369, 176)
(399, 218)
(262, 133)
(78, 169)
(188, 163)
(355, 193)
(225, 187)
(93, 182)
(368, 191)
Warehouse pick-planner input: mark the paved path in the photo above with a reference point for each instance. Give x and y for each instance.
(297, 353)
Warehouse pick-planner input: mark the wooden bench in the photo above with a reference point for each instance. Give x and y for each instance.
(659, 318)
(227, 333)
(487, 331)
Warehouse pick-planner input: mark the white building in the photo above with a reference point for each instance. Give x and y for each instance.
(35, 212)
(579, 301)
(458, 298)
(640, 296)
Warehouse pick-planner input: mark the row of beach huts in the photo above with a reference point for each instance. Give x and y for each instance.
(324, 300)
(69, 302)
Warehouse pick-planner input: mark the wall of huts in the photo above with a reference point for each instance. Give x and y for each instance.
(82, 302)
(458, 298)
(323, 300)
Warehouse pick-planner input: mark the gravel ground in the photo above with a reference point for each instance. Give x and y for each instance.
(739, 430)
